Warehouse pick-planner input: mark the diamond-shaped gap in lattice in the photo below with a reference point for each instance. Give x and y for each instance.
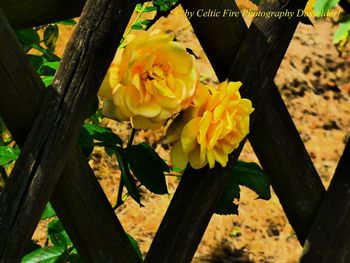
(313, 81)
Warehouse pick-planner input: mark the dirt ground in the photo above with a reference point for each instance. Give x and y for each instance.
(315, 84)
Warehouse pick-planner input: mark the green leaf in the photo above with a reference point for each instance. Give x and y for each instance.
(252, 176)
(32, 247)
(105, 135)
(50, 36)
(145, 22)
(36, 61)
(74, 257)
(164, 5)
(126, 176)
(53, 65)
(137, 26)
(68, 22)
(8, 154)
(245, 174)
(47, 54)
(48, 68)
(135, 246)
(231, 192)
(322, 6)
(138, 7)
(58, 235)
(48, 212)
(45, 255)
(47, 80)
(342, 34)
(150, 9)
(148, 167)
(85, 141)
(27, 36)
(96, 117)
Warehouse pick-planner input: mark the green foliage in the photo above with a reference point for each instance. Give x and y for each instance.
(47, 80)
(252, 176)
(135, 246)
(126, 177)
(8, 154)
(45, 255)
(143, 163)
(160, 7)
(322, 6)
(51, 33)
(28, 37)
(231, 192)
(342, 35)
(61, 251)
(104, 135)
(164, 5)
(244, 174)
(48, 212)
(148, 167)
(46, 62)
(58, 235)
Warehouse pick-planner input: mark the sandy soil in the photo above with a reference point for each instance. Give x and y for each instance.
(315, 84)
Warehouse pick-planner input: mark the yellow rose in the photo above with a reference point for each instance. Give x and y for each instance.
(212, 128)
(153, 78)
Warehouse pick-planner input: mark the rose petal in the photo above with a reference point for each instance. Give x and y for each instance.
(189, 135)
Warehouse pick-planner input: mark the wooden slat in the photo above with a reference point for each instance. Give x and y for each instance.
(198, 193)
(293, 175)
(38, 168)
(329, 240)
(29, 13)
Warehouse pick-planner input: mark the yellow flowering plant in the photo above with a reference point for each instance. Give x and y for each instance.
(153, 78)
(213, 126)
(153, 82)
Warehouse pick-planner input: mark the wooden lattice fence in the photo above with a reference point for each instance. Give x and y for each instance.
(46, 125)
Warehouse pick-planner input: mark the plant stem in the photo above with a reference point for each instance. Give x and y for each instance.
(120, 194)
(127, 194)
(139, 13)
(132, 136)
(120, 200)
(162, 13)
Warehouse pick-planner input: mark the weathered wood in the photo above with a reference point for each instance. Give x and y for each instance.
(29, 13)
(78, 198)
(283, 156)
(329, 240)
(36, 172)
(198, 193)
(293, 175)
